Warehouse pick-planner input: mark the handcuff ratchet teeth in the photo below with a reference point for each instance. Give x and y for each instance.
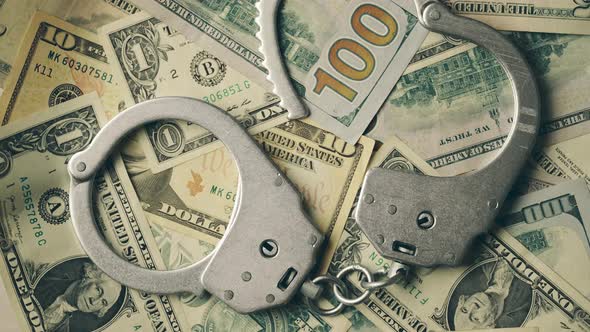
(277, 71)
(269, 249)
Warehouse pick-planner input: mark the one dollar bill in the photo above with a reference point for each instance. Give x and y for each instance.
(51, 284)
(532, 179)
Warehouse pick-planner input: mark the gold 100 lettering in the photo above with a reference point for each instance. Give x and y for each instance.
(362, 52)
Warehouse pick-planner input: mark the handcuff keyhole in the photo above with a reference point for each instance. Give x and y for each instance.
(426, 220)
(269, 248)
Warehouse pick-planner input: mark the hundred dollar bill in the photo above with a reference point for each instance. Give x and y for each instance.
(533, 179)
(15, 17)
(455, 112)
(435, 48)
(200, 194)
(554, 16)
(544, 163)
(180, 249)
(343, 65)
(52, 285)
(568, 159)
(58, 62)
(554, 224)
(155, 61)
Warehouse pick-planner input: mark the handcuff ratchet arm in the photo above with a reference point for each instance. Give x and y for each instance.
(277, 70)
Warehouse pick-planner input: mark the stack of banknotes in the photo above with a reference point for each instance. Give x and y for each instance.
(433, 105)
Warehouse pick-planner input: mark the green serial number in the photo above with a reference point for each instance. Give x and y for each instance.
(31, 214)
(226, 92)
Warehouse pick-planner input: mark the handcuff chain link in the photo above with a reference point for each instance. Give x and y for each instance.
(369, 283)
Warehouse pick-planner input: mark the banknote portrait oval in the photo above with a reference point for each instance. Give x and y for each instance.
(169, 139)
(207, 70)
(489, 295)
(68, 136)
(54, 206)
(140, 58)
(5, 163)
(63, 93)
(76, 296)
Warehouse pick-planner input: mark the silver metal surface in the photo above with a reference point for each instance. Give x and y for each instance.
(236, 271)
(396, 273)
(311, 291)
(348, 270)
(336, 284)
(461, 207)
(273, 61)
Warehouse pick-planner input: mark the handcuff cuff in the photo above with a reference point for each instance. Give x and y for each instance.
(268, 250)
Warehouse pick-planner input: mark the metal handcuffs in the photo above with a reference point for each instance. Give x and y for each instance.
(269, 250)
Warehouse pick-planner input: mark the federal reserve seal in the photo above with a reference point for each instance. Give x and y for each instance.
(207, 70)
(54, 206)
(64, 92)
